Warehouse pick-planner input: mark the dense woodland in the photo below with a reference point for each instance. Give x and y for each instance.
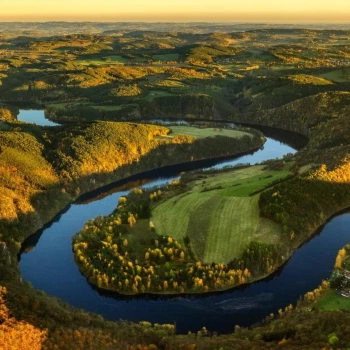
(294, 79)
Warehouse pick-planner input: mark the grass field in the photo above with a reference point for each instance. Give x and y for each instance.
(108, 108)
(112, 59)
(205, 132)
(140, 237)
(122, 59)
(219, 214)
(156, 93)
(339, 75)
(96, 62)
(166, 57)
(331, 301)
(116, 58)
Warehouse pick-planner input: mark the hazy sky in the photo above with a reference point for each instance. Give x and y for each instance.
(177, 10)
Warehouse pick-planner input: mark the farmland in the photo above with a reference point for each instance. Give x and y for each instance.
(211, 214)
(201, 133)
(340, 75)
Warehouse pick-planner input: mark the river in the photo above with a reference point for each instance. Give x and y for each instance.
(47, 261)
(34, 116)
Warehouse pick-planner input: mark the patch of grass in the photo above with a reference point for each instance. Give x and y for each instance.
(108, 108)
(157, 93)
(339, 75)
(170, 83)
(140, 238)
(172, 216)
(332, 301)
(116, 58)
(67, 48)
(88, 62)
(101, 62)
(166, 57)
(230, 230)
(57, 105)
(123, 59)
(219, 215)
(108, 60)
(241, 183)
(205, 132)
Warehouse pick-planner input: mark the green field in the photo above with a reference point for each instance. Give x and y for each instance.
(219, 214)
(112, 59)
(123, 59)
(156, 93)
(116, 58)
(205, 132)
(339, 75)
(96, 62)
(331, 301)
(166, 57)
(108, 108)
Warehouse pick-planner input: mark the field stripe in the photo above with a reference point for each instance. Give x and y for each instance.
(228, 236)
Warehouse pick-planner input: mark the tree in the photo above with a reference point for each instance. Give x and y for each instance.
(339, 259)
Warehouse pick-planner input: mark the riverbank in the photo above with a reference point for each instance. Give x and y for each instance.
(59, 195)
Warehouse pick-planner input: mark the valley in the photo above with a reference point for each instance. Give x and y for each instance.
(161, 186)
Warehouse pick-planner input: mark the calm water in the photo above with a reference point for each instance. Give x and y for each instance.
(48, 263)
(34, 116)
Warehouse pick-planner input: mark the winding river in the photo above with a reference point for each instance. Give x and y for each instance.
(47, 261)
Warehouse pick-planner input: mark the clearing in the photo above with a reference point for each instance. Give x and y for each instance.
(338, 75)
(220, 213)
(332, 301)
(166, 57)
(197, 132)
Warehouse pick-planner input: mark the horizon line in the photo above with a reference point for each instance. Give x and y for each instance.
(172, 21)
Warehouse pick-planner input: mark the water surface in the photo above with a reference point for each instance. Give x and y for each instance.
(34, 116)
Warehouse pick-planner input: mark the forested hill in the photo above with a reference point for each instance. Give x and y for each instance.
(43, 169)
(324, 118)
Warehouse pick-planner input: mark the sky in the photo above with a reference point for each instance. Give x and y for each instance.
(177, 10)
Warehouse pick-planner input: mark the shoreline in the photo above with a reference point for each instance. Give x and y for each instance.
(93, 192)
(144, 295)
